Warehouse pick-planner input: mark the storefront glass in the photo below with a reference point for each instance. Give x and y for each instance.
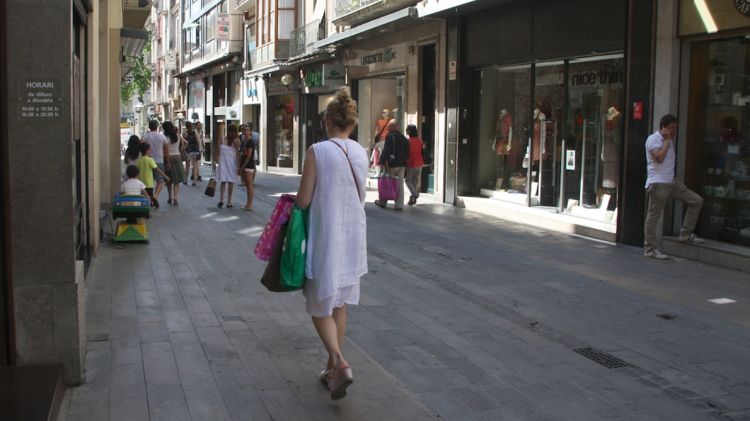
(718, 154)
(565, 146)
(379, 100)
(280, 130)
(504, 131)
(594, 140)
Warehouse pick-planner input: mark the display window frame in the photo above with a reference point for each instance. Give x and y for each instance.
(545, 184)
(696, 144)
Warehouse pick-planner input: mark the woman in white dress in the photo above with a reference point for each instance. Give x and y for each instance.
(227, 158)
(333, 187)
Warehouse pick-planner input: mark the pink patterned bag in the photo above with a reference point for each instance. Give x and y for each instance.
(280, 215)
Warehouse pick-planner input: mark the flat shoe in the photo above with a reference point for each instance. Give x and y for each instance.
(247, 209)
(230, 206)
(342, 378)
(379, 203)
(221, 204)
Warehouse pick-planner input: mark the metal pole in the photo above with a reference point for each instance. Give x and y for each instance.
(583, 163)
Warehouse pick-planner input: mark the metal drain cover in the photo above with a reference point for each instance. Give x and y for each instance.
(602, 358)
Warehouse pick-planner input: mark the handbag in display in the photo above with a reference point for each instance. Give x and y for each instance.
(387, 188)
(211, 188)
(267, 243)
(294, 251)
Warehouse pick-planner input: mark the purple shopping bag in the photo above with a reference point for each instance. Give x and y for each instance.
(387, 188)
(272, 232)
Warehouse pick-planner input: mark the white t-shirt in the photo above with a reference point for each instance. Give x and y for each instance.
(132, 187)
(174, 148)
(157, 142)
(659, 172)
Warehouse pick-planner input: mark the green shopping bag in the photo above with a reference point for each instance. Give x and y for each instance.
(294, 252)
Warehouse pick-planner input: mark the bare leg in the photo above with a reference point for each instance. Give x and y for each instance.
(175, 191)
(339, 316)
(169, 190)
(328, 332)
(158, 188)
(196, 169)
(187, 171)
(221, 191)
(249, 180)
(229, 194)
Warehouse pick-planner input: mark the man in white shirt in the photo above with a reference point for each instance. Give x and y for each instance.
(159, 149)
(661, 185)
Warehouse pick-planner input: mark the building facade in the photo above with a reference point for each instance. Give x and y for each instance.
(60, 104)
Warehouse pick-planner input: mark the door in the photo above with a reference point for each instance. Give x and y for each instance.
(5, 303)
(427, 120)
(80, 144)
(547, 115)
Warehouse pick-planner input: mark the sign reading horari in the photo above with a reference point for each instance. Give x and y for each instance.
(39, 99)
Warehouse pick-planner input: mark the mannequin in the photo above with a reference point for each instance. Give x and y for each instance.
(610, 153)
(380, 125)
(536, 141)
(502, 145)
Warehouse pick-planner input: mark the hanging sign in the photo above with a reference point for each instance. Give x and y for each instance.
(222, 26)
(334, 76)
(452, 66)
(171, 60)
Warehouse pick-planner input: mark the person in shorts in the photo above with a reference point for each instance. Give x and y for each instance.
(159, 149)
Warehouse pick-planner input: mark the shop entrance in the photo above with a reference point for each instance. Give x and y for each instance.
(5, 331)
(428, 66)
(379, 100)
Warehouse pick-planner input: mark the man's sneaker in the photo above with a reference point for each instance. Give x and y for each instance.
(656, 254)
(691, 238)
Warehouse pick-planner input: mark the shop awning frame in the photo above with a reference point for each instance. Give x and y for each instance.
(350, 34)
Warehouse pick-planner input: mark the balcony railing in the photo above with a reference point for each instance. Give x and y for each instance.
(344, 7)
(303, 38)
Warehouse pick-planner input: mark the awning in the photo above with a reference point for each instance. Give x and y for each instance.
(277, 67)
(132, 42)
(445, 8)
(388, 23)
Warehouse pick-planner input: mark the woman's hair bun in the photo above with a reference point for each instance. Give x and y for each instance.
(341, 113)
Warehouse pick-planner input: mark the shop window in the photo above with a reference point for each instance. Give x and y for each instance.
(594, 135)
(378, 101)
(211, 25)
(280, 130)
(560, 148)
(718, 130)
(503, 132)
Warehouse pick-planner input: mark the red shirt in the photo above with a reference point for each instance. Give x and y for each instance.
(415, 159)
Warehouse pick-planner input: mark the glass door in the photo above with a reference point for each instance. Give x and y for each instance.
(547, 115)
(594, 137)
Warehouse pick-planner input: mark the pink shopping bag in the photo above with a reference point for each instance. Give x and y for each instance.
(280, 216)
(388, 188)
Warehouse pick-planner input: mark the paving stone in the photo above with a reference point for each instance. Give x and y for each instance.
(461, 317)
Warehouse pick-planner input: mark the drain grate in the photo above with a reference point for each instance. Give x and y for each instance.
(602, 358)
(232, 318)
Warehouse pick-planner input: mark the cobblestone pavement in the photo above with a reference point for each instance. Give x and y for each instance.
(462, 317)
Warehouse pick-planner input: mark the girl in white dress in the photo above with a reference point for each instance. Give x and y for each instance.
(227, 173)
(333, 187)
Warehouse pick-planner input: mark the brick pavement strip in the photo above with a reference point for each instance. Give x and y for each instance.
(462, 317)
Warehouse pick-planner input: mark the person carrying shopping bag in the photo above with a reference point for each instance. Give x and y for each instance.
(333, 188)
(395, 153)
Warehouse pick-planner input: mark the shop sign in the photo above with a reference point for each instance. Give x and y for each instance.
(385, 56)
(222, 26)
(452, 70)
(742, 6)
(171, 60)
(334, 75)
(39, 99)
(314, 79)
(597, 77)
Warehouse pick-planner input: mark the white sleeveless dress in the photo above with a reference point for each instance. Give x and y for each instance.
(227, 169)
(337, 232)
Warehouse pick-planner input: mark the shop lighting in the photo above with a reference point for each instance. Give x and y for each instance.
(706, 17)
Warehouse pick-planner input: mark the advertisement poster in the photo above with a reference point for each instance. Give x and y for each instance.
(570, 160)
